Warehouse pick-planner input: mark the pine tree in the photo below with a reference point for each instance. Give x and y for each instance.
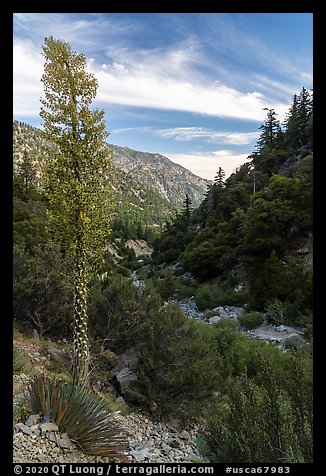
(271, 135)
(304, 112)
(219, 178)
(78, 177)
(187, 206)
(299, 121)
(26, 170)
(292, 124)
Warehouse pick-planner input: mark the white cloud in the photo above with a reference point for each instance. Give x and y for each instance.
(147, 87)
(191, 133)
(206, 165)
(143, 84)
(27, 87)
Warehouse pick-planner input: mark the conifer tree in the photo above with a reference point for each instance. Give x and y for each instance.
(292, 124)
(187, 205)
(271, 131)
(219, 178)
(27, 172)
(78, 177)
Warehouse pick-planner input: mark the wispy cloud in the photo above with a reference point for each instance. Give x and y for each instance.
(206, 165)
(192, 133)
(136, 85)
(192, 74)
(153, 83)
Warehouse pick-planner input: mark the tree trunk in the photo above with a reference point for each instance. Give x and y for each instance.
(81, 345)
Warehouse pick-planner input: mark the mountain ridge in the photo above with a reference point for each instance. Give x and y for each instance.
(172, 181)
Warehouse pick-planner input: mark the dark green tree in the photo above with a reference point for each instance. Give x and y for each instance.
(271, 131)
(187, 206)
(78, 177)
(219, 178)
(26, 172)
(304, 113)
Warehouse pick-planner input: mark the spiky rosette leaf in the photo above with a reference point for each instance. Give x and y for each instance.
(83, 415)
(20, 363)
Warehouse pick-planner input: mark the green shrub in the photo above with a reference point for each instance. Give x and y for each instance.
(179, 363)
(231, 325)
(293, 343)
(43, 290)
(167, 285)
(117, 310)
(20, 362)
(265, 418)
(209, 296)
(85, 417)
(251, 320)
(22, 409)
(277, 311)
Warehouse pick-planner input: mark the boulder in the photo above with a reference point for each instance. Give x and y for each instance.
(59, 356)
(214, 319)
(230, 312)
(33, 420)
(48, 427)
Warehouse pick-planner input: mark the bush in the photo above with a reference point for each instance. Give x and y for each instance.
(116, 311)
(167, 285)
(265, 418)
(251, 320)
(20, 362)
(43, 290)
(277, 311)
(179, 365)
(230, 324)
(22, 409)
(209, 296)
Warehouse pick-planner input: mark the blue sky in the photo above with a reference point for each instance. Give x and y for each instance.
(190, 86)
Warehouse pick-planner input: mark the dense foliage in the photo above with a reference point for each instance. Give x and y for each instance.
(253, 223)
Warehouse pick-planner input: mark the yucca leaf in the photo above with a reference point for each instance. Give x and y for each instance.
(20, 362)
(84, 416)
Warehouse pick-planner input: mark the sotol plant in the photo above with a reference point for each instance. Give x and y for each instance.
(83, 415)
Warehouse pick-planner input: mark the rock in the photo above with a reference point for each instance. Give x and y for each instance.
(127, 359)
(140, 247)
(125, 364)
(303, 251)
(59, 356)
(33, 420)
(230, 312)
(280, 328)
(214, 319)
(42, 458)
(51, 437)
(124, 378)
(239, 288)
(121, 401)
(35, 335)
(25, 429)
(189, 307)
(65, 443)
(185, 435)
(48, 427)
